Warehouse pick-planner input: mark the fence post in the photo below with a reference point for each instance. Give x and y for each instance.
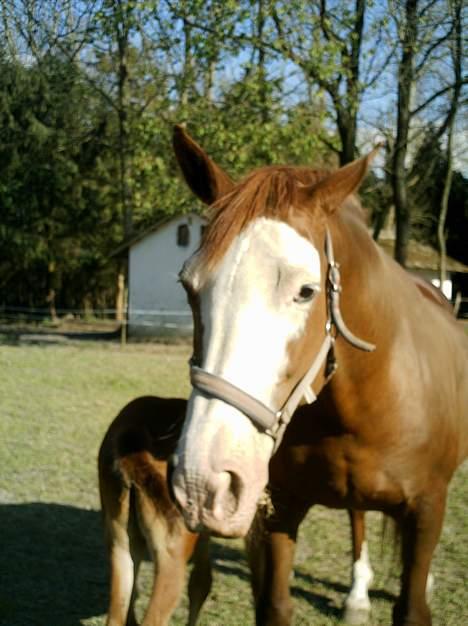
(124, 321)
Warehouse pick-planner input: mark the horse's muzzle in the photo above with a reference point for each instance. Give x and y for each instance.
(219, 506)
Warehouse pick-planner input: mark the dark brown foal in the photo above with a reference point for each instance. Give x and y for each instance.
(140, 518)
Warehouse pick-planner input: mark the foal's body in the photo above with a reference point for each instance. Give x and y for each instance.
(140, 518)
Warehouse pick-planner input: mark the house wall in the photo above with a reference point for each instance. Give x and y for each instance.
(157, 302)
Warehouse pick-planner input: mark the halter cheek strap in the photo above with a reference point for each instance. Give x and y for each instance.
(271, 422)
(262, 416)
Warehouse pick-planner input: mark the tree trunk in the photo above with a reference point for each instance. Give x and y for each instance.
(443, 216)
(457, 67)
(188, 71)
(405, 83)
(346, 123)
(264, 111)
(124, 134)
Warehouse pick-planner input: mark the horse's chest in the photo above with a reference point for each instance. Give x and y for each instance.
(339, 474)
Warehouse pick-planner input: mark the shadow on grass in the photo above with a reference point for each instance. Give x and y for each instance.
(53, 569)
(323, 603)
(232, 562)
(377, 594)
(229, 561)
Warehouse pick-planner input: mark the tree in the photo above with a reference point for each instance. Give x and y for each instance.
(456, 58)
(424, 29)
(326, 41)
(49, 160)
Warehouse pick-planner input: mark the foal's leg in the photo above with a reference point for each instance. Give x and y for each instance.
(165, 537)
(123, 570)
(357, 604)
(271, 557)
(201, 578)
(421, 528)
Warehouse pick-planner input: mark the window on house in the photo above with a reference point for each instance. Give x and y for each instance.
(183, 235)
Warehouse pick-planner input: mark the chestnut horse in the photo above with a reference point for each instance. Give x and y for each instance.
(140, 519)
(387, 427)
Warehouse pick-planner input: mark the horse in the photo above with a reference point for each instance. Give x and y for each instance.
(293, 299)
(137, 510)
(139, 518)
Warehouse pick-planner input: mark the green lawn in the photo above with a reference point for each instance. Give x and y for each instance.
(56, 403)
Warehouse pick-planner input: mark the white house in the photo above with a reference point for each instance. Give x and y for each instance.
(157, 303)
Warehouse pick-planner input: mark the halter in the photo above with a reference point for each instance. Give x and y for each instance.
(271, 422)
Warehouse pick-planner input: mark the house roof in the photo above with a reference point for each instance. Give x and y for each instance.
(159, 223)
(422, 257)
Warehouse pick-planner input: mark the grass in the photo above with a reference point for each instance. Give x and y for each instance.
(56, 402)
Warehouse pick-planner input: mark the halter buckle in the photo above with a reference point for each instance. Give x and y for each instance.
(334, 278)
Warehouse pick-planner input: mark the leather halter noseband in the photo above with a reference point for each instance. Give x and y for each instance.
(271, 422)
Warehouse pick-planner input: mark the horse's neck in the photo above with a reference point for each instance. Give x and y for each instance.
(380, 303)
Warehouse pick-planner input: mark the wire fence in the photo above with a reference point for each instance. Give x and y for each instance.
(137, 320)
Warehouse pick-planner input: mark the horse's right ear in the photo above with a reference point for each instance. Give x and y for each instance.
(333, 189)
(206, 179)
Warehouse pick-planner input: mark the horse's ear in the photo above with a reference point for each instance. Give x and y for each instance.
(333, 190)
(203, 176)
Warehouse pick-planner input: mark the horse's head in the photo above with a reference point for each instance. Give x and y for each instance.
(258, 290)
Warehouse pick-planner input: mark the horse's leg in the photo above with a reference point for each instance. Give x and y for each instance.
(165, 538)
(123, 570)
(138, 552)
(200, 578)
(421, 529)
(357, 604)
(116, 505)
(271, 556)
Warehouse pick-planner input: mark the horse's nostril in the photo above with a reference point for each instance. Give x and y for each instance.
(226, 495)
(235, 486)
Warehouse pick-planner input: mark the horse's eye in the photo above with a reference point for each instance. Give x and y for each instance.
(306, 293)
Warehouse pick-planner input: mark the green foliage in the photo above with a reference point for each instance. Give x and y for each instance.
(51, 155)
(88, 96)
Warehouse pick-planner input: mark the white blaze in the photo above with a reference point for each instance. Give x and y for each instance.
(248, 310)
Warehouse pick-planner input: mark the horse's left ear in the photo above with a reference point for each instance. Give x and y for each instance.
(333, 190)
(204, 177)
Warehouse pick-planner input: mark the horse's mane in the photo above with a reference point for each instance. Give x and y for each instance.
(271, 191)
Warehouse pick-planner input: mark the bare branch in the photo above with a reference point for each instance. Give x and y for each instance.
(431, 49)
(437, 94)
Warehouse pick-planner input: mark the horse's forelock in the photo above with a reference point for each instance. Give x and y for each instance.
(267, 192)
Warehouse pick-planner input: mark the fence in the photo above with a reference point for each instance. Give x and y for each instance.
(137, 321)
